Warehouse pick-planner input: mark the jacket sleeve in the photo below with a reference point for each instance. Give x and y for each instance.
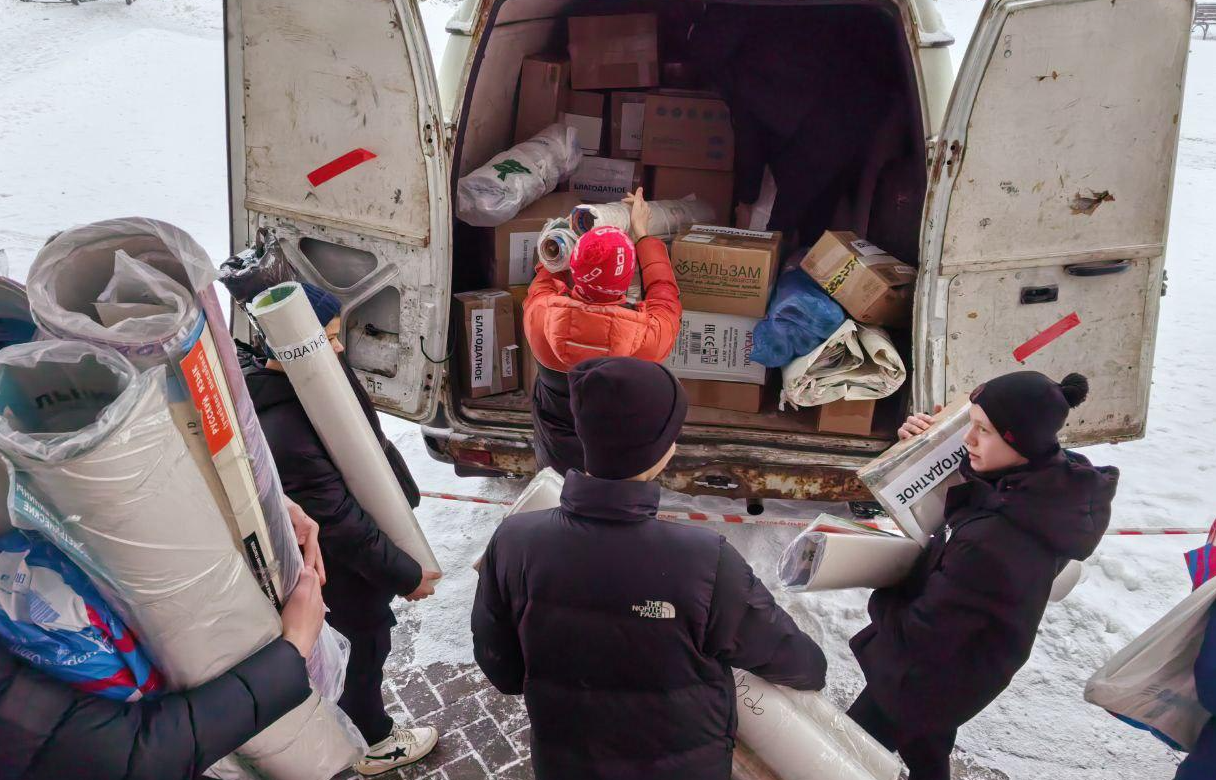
(178, 735)
(348, 533)
(495, 635)
(662, 304)
(545, 287)
(1205, 667)
(749, 631)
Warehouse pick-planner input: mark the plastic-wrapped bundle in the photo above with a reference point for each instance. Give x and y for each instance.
(53, 618)
(800, 318)
(856, 363)
(257, 268)
(668, 218)
(16, 324)
(299, 342)
(517, 178)
(911, 479)
(833, 554)
(94, 437)
(800, 735)
(556, 244)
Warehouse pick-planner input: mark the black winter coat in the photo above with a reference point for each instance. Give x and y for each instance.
(556, 442)
(50, 731)
(621, 630)
(364, 569)
(944, 643)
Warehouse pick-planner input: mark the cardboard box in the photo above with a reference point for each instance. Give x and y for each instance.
(726, 270)
(717, 188)
(527, 372)
(543, 83)
(731, 396)
(872, 286)
(685, 130)
(717, 347)
(628, 118)
(605, 180)
(515, 241)
(585, 113)
(854, 418)
(489, 356)
(680, 75)
(614, 52)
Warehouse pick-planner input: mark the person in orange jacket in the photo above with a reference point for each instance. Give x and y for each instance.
(567, 323)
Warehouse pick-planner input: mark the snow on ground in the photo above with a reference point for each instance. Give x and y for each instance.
(113, 110)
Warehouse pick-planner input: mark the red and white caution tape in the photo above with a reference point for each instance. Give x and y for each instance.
(708, 517)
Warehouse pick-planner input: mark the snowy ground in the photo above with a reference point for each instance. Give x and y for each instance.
(113, 110)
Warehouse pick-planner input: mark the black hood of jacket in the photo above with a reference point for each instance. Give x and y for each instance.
(1065, 504)
(268, 387)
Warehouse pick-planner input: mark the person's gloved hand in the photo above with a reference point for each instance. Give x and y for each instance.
(304, 613)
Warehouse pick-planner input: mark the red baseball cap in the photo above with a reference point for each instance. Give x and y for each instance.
(602, 265)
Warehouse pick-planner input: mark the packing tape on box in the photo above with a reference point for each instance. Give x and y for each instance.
(668, 218)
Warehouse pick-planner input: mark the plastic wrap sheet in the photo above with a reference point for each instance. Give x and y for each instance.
(1068, 579)
(556, 244)
(299, 342)
(94, 437)
(668, 218)
(856, 363)
(830, 556)
(543, 492)
(802, 736)
(1151, 682)
(513, 180)
(911, 479)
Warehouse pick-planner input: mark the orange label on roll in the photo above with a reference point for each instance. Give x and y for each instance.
(205, 391)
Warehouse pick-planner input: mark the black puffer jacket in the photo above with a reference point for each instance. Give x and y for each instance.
(50, 731)
(947, 641)
(364, 569)
(621, 631)
(556, 442)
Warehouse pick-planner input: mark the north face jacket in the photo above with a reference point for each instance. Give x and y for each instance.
(621, 632)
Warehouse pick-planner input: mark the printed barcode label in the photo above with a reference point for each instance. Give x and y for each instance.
(694, 343)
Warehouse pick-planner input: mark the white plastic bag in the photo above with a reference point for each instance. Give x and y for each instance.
(1152, 680)
(856, 363)
(517, 178)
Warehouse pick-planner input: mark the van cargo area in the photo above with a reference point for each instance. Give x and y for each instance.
(878, 196)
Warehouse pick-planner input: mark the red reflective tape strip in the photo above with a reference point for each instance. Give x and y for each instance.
(339, 166)
(1046, 337)
(733, 518)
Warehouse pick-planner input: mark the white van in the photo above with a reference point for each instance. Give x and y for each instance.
(1040, 201)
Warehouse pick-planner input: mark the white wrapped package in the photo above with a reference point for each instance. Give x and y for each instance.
(1152, 680)
(912, 478)
(856, 363)
(299, 342)
(827, 556)
(556, 245)
(668, 218)
(517, 178)
(1068, 579)
(96, 438)
(802, 736)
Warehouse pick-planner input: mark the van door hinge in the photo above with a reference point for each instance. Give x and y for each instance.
(429, 133)
(954, 158)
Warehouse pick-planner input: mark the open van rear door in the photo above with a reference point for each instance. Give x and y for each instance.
(1048, 204)
(336, 144)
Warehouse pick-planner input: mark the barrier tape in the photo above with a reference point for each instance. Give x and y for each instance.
(707, 517)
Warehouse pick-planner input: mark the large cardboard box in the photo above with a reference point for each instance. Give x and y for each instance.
(585, 113)
(688, 130)
(853, 418)
(872, 286)
(515, 241)
(543, 83)
(628, 119)
(717, 347)
(614, 52)
(730, 396)
(489, 356)
(527, 361)
(605, 180)
(717, 188)
(726, 270)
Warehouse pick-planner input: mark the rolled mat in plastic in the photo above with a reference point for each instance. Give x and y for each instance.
(556, 244)
(668, 218)
(516, 178)
(825, 559)
(802, 736)
(299, 342)
(95, 437)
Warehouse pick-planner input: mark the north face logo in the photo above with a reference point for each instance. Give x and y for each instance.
(659, 610)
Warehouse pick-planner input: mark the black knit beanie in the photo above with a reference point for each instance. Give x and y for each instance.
(1028, 409)
(627, 413)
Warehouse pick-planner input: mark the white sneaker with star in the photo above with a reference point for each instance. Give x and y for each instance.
(402, 747)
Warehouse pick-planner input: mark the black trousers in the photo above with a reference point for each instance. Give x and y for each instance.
(927, 755)
(361, 698)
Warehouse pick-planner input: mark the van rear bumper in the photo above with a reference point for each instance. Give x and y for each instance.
(732, 471)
